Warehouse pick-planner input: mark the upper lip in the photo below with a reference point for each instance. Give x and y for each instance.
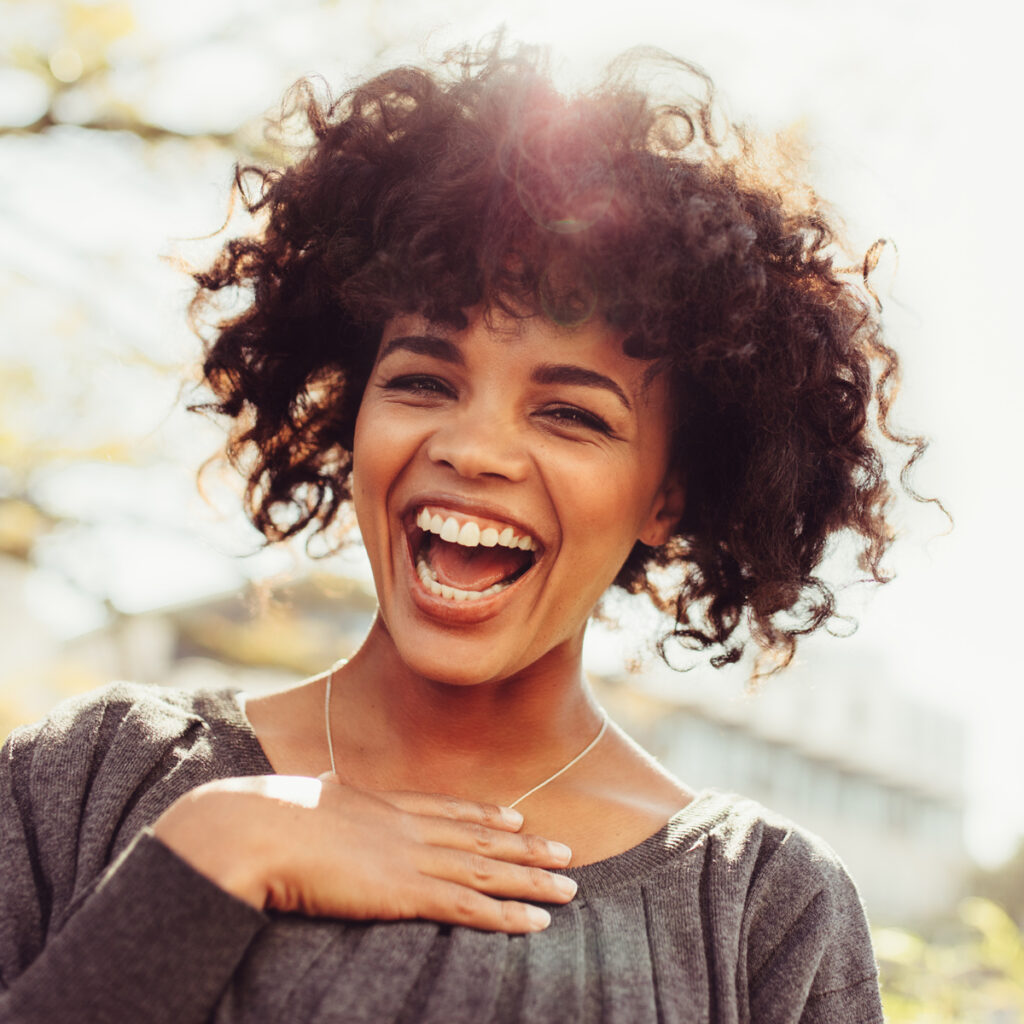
(474, 508)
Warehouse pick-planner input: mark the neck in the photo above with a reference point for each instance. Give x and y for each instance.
(492, 741)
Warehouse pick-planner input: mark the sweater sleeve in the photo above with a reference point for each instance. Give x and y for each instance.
(154, 942)
(809, 953)
(145, 937)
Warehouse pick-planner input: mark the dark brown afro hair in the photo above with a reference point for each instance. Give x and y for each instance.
(434, 191)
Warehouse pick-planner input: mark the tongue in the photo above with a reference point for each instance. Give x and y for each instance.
(473, 568)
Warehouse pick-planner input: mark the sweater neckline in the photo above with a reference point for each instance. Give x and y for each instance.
(682, 831)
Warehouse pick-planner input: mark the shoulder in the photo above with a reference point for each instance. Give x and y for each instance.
(759, 909)
(77, 787)
(747, 842)
(776, 869)
(119, 717)
(800, 917)
(748, 858)
(769, 850)
(123, 751)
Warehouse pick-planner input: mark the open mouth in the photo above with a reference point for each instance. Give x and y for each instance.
(463, 558)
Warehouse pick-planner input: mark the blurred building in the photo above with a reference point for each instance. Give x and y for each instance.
(255, 639)
(838, 746)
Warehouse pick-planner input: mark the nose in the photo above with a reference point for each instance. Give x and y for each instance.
(481, 440)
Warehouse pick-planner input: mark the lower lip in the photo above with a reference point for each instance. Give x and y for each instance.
(456, 613)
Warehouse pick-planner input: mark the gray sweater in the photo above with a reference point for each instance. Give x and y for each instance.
(727, 914)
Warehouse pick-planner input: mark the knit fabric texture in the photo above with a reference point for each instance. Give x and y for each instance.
(727, 914)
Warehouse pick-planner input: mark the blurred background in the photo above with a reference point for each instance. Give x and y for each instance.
(120, 123)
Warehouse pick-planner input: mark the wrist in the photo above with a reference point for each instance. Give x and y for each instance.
(217, 829)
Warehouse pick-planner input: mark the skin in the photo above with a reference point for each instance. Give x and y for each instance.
(551, 430)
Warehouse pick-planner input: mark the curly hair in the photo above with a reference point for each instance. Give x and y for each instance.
(433, 191)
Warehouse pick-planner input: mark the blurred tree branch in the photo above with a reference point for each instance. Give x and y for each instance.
(134, 126)
(79, 55)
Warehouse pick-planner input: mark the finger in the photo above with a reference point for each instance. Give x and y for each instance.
(471, 837)
(440, 805)
(496, 877)
(455, 904)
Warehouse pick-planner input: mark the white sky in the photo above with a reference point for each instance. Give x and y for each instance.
(907, 107)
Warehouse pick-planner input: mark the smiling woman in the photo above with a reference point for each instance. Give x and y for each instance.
(543, 346)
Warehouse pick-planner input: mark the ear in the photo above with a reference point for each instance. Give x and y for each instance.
(666, 512)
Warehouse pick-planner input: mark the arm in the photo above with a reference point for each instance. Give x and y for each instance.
(155, 941)
(148, 939)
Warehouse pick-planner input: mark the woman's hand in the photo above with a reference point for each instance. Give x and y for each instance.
(322, 848)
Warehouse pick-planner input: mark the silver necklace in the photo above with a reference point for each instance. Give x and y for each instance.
(551, 778)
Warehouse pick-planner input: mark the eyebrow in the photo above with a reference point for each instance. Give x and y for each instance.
(578, 376)
(425, 345)
(547, 373)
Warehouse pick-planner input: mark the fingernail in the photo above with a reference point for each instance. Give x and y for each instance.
(538, 917)
(565, 885)
(511, 817)
(561, 851)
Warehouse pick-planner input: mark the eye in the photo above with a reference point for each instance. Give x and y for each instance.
(574, 416)
(420, 384)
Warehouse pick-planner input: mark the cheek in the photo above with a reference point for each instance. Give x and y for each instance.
(600, 512)
(614, 494)
(384, 445)
(376, 441)
(362, 425)
(360, 456)
(372, 468)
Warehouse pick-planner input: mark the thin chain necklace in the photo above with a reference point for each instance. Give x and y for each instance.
(551, 778)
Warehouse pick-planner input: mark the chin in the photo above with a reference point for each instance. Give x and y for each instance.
(455, 663)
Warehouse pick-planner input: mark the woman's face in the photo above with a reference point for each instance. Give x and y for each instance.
(502, 474)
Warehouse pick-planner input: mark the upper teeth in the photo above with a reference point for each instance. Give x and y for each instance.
(469, 534)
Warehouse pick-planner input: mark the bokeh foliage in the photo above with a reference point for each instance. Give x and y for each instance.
(970, 972)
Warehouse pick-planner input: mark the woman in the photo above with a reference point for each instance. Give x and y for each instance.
(542, 346)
